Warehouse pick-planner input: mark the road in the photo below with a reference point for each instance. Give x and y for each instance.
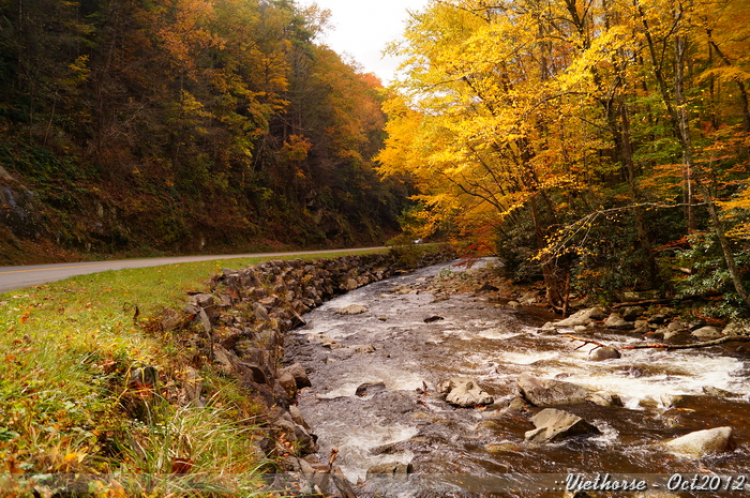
(18, 277)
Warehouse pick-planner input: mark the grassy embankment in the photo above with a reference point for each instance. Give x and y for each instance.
(67, 354)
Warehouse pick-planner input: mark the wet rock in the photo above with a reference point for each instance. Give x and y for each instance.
(550, 392)
(707, 333)
(641, 325)
(432, 319)
(390, 470)
(514, 304)
(662, 401)
(719, 393)
(701, 443)
(342, 484)
(696, 324)
(352, 309)
(604, 398)
(630, 313)
(298, 373)
(580, 329)
(678, 325)
(370, 388)
(500, 447)
(583, 317)
(617, 322)
(517, 404)
(658, 319)
(363, 348)
(465, 392)
(548, 328)
(297, 417)
(605, 353)
(555, 425)
(676, 336)
(531, 297)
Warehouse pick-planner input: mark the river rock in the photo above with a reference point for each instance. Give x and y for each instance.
(678, 325)
(517, 404)
(370, 388)
(676, 336)
(363, 348)
(719, 393)
(550, 392)
(605, 353)
(617, 322)
(738, 327)
(583, 317)
(289, 384)
(465, 392)
(297, 371)
(707, 333)
(580, 329)
(548, 328)
(500, 447)
(630, 313)
(555, 425)
(531, 297)
(297, 417)
(701, 443)
(352, 309)
(604, 398)
(390, 470)
(697, 324)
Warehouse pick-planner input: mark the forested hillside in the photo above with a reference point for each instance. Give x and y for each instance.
(183, 125)
(600, 144)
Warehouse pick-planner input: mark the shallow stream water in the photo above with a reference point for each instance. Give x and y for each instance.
(482, 452)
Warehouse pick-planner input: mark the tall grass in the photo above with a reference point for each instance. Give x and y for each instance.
(66, 352)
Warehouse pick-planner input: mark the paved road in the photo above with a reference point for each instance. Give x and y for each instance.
(17, 277)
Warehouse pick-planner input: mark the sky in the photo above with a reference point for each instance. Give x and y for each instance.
(363, 28)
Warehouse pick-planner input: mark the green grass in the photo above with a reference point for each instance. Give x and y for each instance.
(66, 353)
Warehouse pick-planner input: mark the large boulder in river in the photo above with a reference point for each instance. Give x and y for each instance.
(604, 353)
(550, 392)
(701, 443)
(555, 425)
(463, 391)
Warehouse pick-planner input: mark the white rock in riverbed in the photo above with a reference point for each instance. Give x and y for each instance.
(701, 443)
(352, 309)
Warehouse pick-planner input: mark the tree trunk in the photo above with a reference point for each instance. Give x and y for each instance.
(684, 129)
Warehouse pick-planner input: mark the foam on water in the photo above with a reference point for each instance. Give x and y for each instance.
(355, 447)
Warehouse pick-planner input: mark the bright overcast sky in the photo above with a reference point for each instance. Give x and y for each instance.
(362, 29)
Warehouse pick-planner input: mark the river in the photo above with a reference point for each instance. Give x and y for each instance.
(482, 452)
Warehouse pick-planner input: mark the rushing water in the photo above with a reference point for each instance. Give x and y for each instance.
(472, 452)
